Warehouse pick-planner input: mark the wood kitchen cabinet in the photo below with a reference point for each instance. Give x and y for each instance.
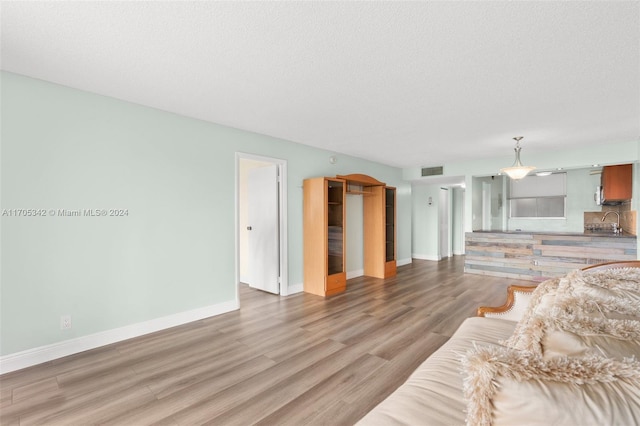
(616, 183)
(324, 236)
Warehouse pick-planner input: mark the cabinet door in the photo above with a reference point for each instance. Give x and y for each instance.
(616, 182)
(390, 224)
(335, 226)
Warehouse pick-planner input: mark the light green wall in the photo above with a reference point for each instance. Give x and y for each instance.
(175, 251)
(425, 237)
(425, 234)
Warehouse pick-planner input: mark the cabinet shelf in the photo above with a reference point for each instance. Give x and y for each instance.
(358, 192)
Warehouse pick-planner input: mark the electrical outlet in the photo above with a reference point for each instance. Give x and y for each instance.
(65, 322)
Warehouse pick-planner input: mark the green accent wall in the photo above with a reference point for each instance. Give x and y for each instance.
(175, 251)
(425, 221)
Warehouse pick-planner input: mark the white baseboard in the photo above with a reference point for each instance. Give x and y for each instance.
(402, 262)
(426, 257)
(355, 274)
(24, 359)
(293, 289)
(458, 253)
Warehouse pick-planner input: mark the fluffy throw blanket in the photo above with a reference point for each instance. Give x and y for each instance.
(582, 329)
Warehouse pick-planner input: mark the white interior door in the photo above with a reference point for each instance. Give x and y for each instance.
(444, 223)
(262, 203)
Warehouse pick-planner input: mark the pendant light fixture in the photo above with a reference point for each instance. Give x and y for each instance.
(518, 170)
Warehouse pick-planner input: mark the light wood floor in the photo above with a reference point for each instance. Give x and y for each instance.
(290, 360)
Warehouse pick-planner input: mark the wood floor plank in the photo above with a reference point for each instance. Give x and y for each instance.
(189, 393)
(72, 399)
(210, 408)
(36, 390)
(284, 391)
(304, 407)
(295, 360)
(222, 369)
(294, 346)
(6, 397)
(95, 410)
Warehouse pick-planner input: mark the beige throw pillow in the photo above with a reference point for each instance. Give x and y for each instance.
(506, 386)
(583, 313)
(572, 358)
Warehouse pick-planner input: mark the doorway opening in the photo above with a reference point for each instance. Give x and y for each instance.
(444, 223)
(261, 223)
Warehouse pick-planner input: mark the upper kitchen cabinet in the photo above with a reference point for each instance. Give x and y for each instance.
(616, 183)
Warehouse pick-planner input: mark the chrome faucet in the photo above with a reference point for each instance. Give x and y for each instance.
(617, 228)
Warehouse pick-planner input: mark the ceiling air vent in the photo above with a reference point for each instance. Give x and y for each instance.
(431, 171)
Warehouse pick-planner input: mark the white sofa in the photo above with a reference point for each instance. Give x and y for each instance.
(565, 352)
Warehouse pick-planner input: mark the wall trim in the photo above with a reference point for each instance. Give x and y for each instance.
(30, 357)
(293, 289)
(402, 262)
(426, 257)
(355, 274)
(458, 253)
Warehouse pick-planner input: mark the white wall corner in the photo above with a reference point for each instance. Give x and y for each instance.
(293, 289)
(30, 357)
(355, 274)
(426, 257)
(402, 262)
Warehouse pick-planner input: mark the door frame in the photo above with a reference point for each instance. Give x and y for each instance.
(282, 218)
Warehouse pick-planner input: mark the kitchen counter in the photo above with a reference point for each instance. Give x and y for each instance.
(606, 234)
(572, 234)
(537, 256)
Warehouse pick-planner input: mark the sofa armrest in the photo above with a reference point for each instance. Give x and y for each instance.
(613, 265)
(517, 301)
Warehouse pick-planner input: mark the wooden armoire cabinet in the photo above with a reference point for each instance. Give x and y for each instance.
(324, 236)
(324, 230)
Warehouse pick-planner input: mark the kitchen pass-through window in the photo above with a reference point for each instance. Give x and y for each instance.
(538, 196)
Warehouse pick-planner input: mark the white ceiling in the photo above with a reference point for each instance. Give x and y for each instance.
(402, 83)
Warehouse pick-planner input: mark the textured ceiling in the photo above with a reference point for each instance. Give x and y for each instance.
(402, 83)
